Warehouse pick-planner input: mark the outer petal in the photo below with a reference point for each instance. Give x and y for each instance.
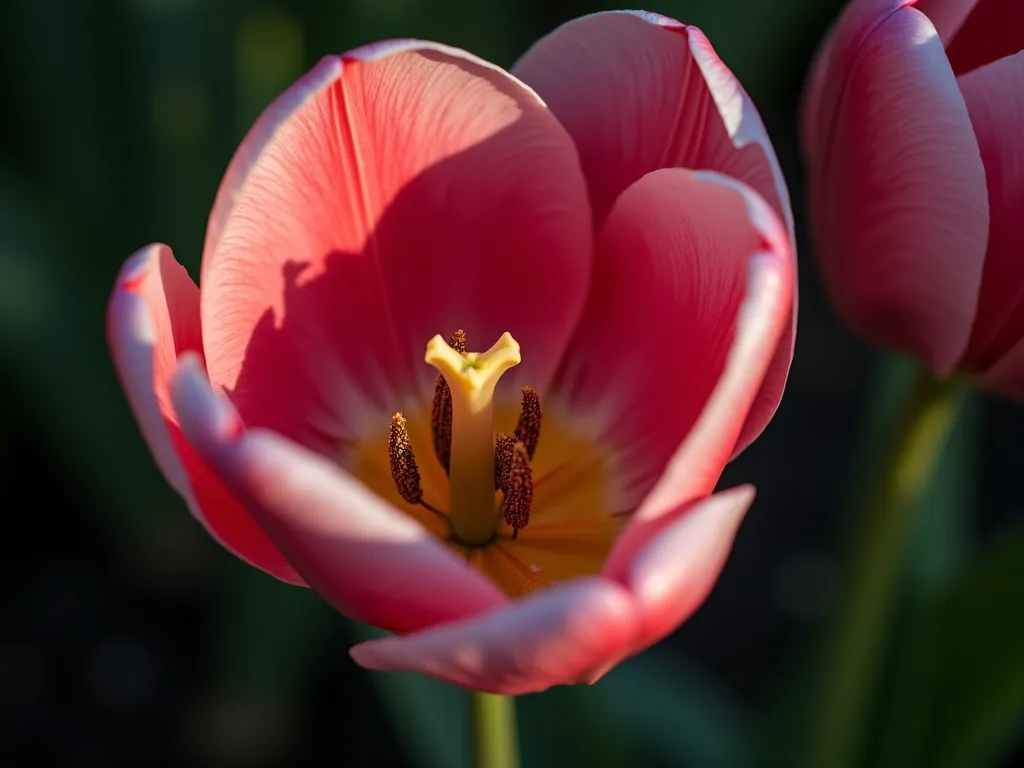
(669, 279)
(947, 16)
(994, 29)
(694, 469)
(153, 317)
(995, 100)
(672, 575)
(553, 637)
(640, 92)
(396, 192)
(370, 561)
(897, 185)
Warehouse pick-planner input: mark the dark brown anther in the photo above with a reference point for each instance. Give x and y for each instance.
(441, 422)
(528, 428)
(458, 341)
(503, 443)
(404, 471)
(519, 491)
(441, 411)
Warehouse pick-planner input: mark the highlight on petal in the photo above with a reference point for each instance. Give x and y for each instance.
(695, 467)
(666, 304)
(993, 30)
(367, 559)
(672, 575)
(153, 317)
(897, 187)
(558, 636)
(396, 192)
(995, 100)
(639, 92)
(947, 16)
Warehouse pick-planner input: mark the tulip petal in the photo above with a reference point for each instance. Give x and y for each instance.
(638, 92)
(153, 317)
(672, 575)
(694, 469)
(366, 558)
(396, 192)
(669, 279)
(947, 16)
(995, 99)
(552, 637)
(897, 188)
(993, 30)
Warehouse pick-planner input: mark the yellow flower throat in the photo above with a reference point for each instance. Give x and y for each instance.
(526, 509)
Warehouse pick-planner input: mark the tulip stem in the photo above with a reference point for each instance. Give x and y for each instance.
(493, 720)
(856, 641)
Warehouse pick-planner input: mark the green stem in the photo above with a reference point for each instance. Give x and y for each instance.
(858, 635)
(493, 719)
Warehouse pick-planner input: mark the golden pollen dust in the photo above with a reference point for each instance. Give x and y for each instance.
(478, 462)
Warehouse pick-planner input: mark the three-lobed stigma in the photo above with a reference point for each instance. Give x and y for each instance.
(477, 461)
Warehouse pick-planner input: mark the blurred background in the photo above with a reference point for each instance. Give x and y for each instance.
(128, 638)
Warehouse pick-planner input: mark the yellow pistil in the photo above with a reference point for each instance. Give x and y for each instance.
(471, 379)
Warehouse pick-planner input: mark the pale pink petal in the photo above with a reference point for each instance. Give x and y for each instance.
(897, 188)
(695, 467)
(638, 92)
(366, 558)
(153, 317)
(672, 575)
(553, 637)
(670, 274)
(396, 192)
(994, 29)
(995, 99)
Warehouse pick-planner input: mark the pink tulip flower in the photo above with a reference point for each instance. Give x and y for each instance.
(915, 153)
(609, 223)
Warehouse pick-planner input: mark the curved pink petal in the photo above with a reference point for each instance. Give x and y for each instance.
(897, 188)
(639, 92)
(669, 278)
(947, 16)
(396, 192)
(993, 30)
(367, 559)
(553, 637)
(152, 318)
(995, 99)
(672, 575)
(694, 469)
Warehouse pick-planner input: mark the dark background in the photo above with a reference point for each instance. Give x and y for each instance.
(129, 638)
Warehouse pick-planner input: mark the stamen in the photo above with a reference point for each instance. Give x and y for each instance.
(528, 428)
(519, 492)
(404, 471)
(503, 444)
(441, 412)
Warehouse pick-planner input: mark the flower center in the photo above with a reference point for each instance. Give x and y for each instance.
(477, 461)
(552, 507)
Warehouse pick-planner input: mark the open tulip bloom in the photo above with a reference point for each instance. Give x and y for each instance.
(472, 348)
(915, 155)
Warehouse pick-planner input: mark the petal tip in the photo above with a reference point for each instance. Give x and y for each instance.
(656, 19)
(137, 266)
